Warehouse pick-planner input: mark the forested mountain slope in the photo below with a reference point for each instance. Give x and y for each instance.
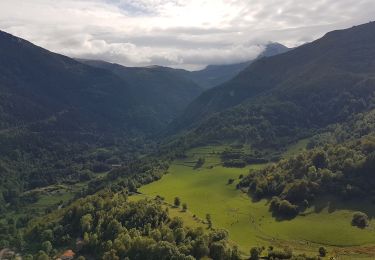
(60, 117)
(160, 91)
(282, 96)
(37, 85)
(340, 162)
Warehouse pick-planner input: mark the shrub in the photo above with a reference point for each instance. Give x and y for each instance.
(283, 208)
(360, 220)
(255, 253)
(177, 202)
(322, 251)
(199, 163)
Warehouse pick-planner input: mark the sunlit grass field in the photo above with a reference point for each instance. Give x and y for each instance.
(249, 223)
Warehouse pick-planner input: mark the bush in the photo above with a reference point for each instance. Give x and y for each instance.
(235, 163)
(255, 253)
(278, 254)
(283, 208)
(199, 163)
(322, 251)
(360, 220)
(177, 202)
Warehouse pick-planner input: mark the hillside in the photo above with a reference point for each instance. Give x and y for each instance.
(288, 95)
(37, 85)
(160, 91)
(54, 113)
(61, 119)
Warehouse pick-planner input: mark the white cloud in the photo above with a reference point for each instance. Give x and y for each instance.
(177, 33)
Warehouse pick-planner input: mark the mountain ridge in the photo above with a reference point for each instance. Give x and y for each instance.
(323, 70)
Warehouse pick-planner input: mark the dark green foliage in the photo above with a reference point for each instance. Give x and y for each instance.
(287, 253)
(113, 228)
(184, 207)
(360, 220)
(199, 163)
(255, 253)
(342, 167)
(322, 251)
(177, 202)
(283, 208)
(209, 220)
(235, 157)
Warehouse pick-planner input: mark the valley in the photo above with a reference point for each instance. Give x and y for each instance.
(250, 223)
(270, 158)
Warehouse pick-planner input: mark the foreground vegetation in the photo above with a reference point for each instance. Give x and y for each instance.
(108, 226)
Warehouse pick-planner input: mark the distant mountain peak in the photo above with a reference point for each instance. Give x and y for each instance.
(273, 48)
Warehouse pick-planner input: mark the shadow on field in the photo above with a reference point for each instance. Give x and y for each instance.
(333, 204)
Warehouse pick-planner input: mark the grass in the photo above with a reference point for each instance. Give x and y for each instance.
(295, 148)
(51, 197)
(249, 223)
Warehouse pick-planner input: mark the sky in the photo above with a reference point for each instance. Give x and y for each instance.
(178, 33)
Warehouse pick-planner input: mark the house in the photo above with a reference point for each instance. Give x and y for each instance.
(67, 255)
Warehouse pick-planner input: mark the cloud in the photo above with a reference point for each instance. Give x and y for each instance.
(177, 33)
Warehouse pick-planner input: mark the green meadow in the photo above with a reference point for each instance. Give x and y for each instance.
(205, 190)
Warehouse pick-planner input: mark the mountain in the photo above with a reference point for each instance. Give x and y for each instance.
(287, 95)
(60, 117)
(160, 91)
(214, 75)
(37, 84)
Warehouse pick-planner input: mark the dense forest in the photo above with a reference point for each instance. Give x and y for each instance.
(112, 228)
(339, 162)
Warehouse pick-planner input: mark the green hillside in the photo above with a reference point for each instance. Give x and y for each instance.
(161, 92)
(278, 98)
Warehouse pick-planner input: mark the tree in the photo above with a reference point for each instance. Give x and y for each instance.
(179, 235)
(218, 251)
(200, 248)
(209, 220)
(86, 222)
(360, 220)
(111, 255)
(236, 255)
(322, 251)
(230, 181)
(47, 247)
(184, 207)
(47, 235)
(199, 163)
(176, 222)
(320, 160)
(42, 256)
(27, 257)
(177, 202)
(255, 253)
